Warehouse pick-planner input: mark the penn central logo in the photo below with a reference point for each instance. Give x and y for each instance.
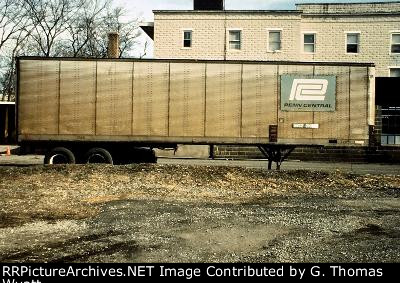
(309, 89)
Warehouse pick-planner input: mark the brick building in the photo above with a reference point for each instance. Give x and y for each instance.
(313, 32)
(346, 32)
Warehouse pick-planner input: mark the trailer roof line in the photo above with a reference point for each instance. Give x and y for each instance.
(202, 61)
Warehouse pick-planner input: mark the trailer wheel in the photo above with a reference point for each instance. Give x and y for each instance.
(98, 155)
(59, 155)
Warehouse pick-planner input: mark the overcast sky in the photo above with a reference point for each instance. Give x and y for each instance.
(143, 9)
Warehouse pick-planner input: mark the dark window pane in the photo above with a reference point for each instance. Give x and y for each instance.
(187, 38)
(309, 38)
(396, 48)
(395, 73)
(187, 35)
(352, 48)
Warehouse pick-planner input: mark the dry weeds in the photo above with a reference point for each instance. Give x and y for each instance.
(76, 192)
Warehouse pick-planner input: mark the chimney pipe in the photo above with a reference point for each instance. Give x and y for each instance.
(113, 45)
(211, 5)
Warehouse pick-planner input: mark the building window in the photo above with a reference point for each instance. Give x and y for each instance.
(353, 43)
(309, 42)
(274, 41)
(235, 37)
(396, 43)
(395, 72)
(187, 38)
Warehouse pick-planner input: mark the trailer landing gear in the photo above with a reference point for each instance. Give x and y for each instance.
(276, 153)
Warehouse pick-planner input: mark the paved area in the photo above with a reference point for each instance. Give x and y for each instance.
(21, 160)
(284, 230)
(186, 213)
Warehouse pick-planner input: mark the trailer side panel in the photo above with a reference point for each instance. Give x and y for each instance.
(78, 84)
(259, 100)
(187, 100)
(191, 102)
(38, 108)
(114, 98)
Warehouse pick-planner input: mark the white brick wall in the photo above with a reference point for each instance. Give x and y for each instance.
(375, 40)
(209, 38)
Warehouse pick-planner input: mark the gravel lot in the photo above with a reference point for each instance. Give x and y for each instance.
(183, 213)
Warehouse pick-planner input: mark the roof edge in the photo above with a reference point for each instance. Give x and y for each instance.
(228, 11)
(349, 3)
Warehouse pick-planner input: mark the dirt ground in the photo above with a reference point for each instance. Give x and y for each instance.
(183, 213)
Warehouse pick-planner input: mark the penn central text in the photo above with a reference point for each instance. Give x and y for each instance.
(308, 105)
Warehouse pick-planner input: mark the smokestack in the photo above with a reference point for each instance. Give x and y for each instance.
(113, 45)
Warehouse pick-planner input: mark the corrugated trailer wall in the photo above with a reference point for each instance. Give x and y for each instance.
(38, 102)
(187, 100)
(184, 102)
(114, 98)
(260, 99)
(77, 98)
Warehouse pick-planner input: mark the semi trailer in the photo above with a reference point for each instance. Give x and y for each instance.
(102, 110)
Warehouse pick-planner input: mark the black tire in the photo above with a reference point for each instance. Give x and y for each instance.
(98, 155)
(59, 155)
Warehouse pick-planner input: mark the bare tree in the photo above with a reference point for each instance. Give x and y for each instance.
(13, 20)
(83, 28)
(74, 28)
(87, 31)
(144, 53)
(50, 18)
(8, 80)
(15, 28)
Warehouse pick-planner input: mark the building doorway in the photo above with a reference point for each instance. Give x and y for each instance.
(388, 101)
